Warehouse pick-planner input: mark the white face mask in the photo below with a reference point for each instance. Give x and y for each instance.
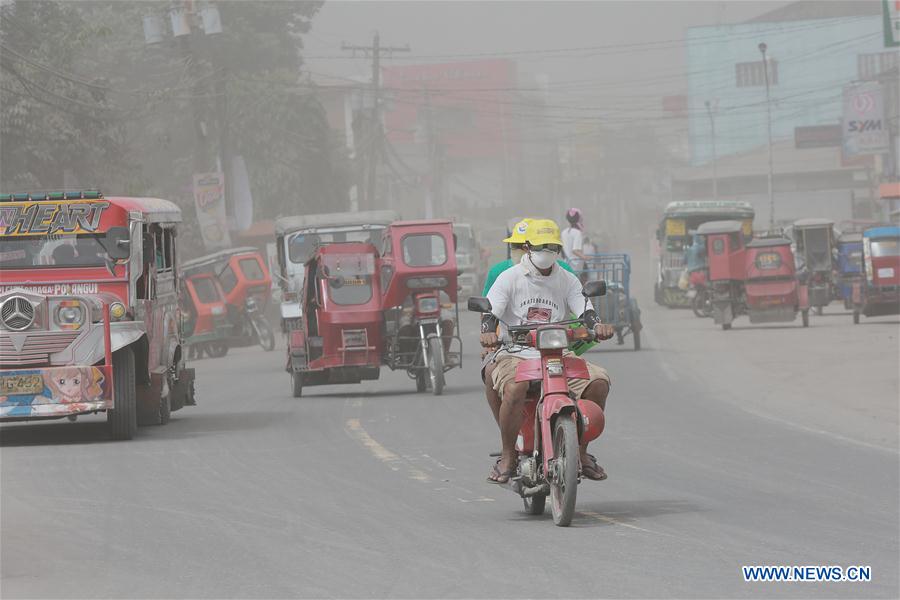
(544, 259)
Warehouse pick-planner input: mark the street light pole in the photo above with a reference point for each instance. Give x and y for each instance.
(712, 123)
(762, 49)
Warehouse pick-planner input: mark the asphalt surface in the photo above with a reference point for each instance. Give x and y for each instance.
(376, 491)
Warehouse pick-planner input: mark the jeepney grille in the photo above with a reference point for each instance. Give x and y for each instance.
(17, 313)
(36, 349)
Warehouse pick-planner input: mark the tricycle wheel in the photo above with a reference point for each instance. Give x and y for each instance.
(421, 381)
(636, 335)
(564, 477)
(264, 335)
(700, 305)
(820, 310)
(726, 326)
(847, 304)
(804, 314)
(855, 317)
(217, 349)
(297, 384)
(436, 365)
(122, 420)
(534, 505)
(620, 338)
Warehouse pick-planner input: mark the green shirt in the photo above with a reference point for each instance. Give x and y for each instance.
(578, 348)
(495, 271)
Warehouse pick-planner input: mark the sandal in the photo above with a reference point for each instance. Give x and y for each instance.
(591, 470)
(498, 476)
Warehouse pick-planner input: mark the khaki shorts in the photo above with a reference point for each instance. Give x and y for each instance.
(505, 372)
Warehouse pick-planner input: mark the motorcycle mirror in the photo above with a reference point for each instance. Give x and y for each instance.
(118, 243)
(479, 304)
(592, 289)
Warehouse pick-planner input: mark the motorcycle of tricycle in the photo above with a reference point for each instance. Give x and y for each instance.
(555, 424)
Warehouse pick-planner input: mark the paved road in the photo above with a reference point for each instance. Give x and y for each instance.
(375, 491)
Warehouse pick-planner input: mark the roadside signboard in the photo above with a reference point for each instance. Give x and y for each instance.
(209, 199)
(891, 10)
(864, 127)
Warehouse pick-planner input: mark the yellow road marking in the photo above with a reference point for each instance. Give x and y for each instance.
(355, 429)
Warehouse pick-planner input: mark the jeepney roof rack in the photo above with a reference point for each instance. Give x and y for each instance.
(52, 195)
(287, 225)
(712, 227)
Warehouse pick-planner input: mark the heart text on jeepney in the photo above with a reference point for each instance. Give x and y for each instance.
(54, 289)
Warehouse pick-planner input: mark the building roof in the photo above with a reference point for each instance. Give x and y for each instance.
(807, 10)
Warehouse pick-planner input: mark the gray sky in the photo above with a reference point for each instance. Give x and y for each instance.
(453, 28)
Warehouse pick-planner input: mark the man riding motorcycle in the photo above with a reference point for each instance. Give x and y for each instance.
(537, 290)
(516, 241)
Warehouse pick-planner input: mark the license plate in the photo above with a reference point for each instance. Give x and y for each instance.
(15, 385)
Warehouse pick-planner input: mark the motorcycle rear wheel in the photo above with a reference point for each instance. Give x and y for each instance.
(564, 484)
(700, 305)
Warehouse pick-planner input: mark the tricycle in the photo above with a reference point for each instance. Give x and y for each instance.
(419, 295)
(340, 334)
(814, 240)
(850, 265)
(772, 292)
(297, 238)
(878, 293)
(206, 316)
(616, 307)
(245, 280)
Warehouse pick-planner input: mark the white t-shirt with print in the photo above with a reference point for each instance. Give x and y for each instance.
(521, 295)
(573, 239)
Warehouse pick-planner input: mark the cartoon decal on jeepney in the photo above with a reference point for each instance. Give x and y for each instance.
(53, 391)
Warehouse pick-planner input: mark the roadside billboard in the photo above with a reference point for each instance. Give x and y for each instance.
(209, 199)
(465, 106)
(864, 128)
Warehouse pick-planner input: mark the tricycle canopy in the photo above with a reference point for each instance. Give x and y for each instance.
(418, 256)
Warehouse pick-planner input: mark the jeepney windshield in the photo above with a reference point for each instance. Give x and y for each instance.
(885, 247)
(302, 244)
(349, 277)
(53, 251)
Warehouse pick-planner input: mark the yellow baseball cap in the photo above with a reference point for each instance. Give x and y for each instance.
(518, 232)
(543, 231)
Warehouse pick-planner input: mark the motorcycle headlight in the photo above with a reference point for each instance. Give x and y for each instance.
(428, 305)
(116, 310)
(70, 314)
(552, 339)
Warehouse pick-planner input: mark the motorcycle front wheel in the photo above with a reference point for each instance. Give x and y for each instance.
(436, 365)
(264, 334)
(564, 481)
(701, 306)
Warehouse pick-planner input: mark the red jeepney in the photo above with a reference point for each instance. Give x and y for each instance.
(340, 335)
(89, 316)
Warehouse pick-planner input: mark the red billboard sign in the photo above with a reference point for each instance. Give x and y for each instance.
(465, 105)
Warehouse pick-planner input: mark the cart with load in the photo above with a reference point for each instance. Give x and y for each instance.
(617, 307)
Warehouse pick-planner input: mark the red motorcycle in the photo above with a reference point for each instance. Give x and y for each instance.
(698, 292)
(555, 424)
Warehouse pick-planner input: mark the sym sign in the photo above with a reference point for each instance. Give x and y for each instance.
(864, 128)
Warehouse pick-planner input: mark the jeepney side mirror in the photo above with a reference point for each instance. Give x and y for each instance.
(593, 289)
(118, 243)
(479, 304)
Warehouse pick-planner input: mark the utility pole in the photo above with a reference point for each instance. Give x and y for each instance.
(712, 123)
(375, 131)
(765, 63)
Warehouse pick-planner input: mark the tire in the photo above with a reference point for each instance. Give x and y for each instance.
(804, 314)
(636, 336)
(856, 317)
(296, 384)
(217, 349)
(165, 407)
(264, 334)
(847, 304)
(565, 487)
(701, 306)
(436, 365)
(421, 381)
(820, 310)
(534, 505)
(726, 326)
(122, 420)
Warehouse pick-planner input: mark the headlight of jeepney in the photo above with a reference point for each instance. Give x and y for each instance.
(70, 314)
(552, 339)
(116, 311)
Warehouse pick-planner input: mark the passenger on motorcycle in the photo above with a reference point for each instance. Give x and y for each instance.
(516, 241)
(537, 290)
